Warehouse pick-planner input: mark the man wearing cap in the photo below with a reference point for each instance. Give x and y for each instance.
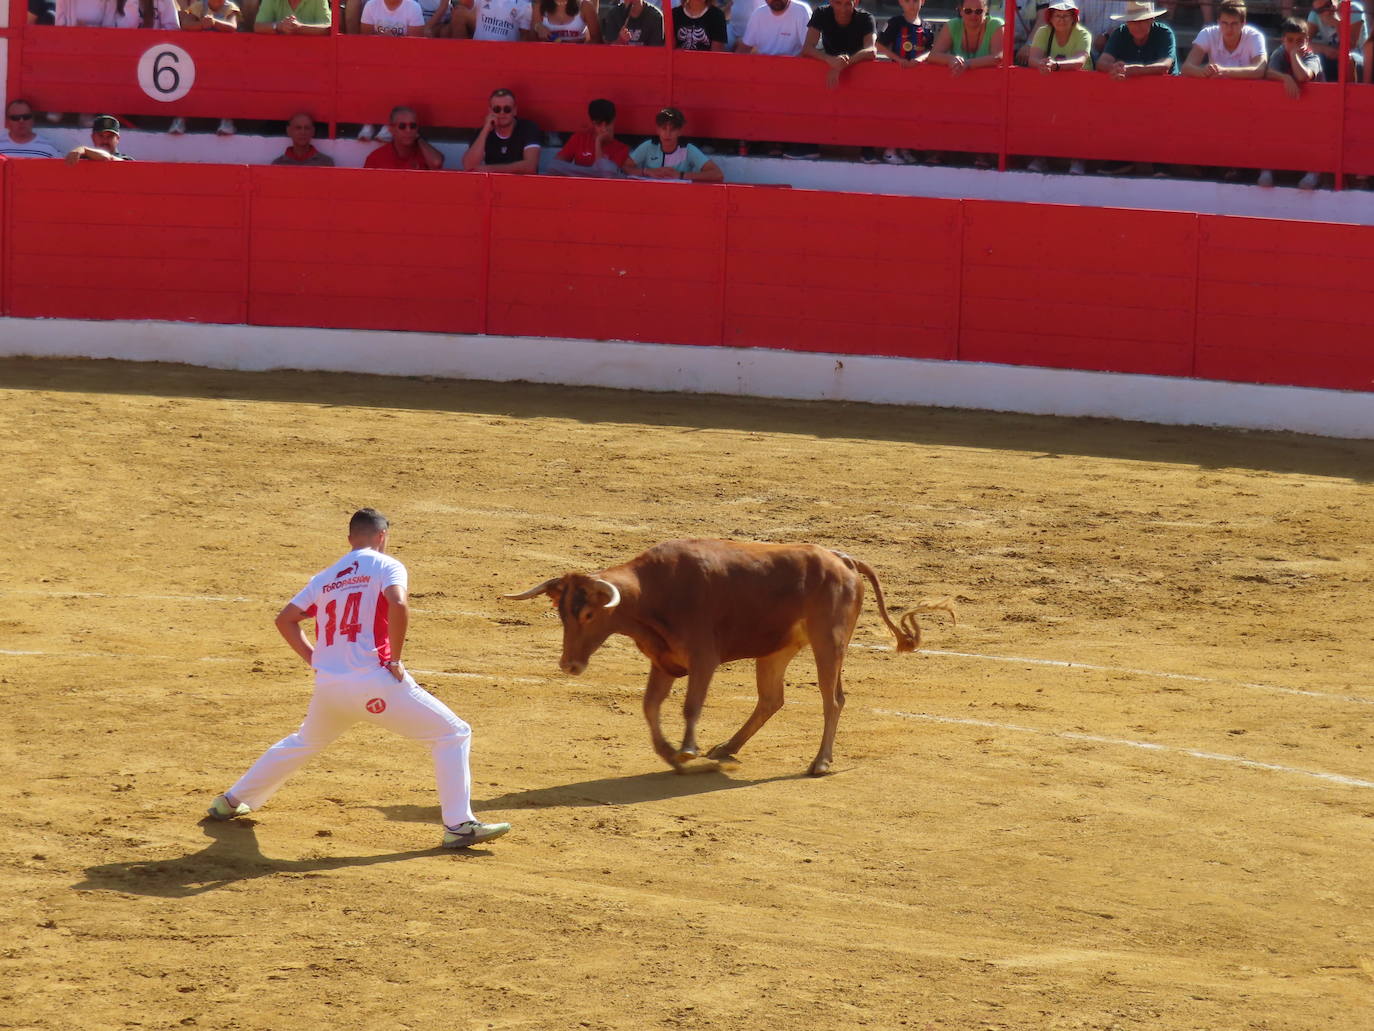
(1142, 46)
(17, 138)
(104, 143)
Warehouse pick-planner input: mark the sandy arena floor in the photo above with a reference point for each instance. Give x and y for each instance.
(1133, 789)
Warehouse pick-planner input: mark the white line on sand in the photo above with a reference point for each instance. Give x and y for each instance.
(1194, 753)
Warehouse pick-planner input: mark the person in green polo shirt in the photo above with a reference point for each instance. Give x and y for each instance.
(293, 17)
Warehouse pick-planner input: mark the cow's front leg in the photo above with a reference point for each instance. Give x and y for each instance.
(655, 691)
(698, 683)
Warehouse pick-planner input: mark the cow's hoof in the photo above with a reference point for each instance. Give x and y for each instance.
(819, 768)
(721, 754)
(684, 755)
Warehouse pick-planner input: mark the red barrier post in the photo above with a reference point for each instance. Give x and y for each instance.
(1342, 75)
(334, 62)
(14, 33)
(1008, 63)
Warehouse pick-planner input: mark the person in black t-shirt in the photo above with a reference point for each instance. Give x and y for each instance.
(699, 25)
(504, 143)
(845, 34)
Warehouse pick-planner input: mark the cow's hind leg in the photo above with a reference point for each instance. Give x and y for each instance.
(830, 643)
(655, 691)
(771, 670)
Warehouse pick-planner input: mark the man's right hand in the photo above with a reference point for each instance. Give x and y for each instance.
(489, 123)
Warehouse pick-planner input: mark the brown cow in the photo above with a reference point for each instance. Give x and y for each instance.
(691, 605)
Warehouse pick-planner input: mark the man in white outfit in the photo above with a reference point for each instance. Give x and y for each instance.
(361, 613)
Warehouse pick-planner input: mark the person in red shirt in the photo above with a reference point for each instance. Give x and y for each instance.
(406, 150)
(593, 152)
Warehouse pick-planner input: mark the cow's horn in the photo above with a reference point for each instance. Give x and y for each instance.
(615, 593)
(541, 589)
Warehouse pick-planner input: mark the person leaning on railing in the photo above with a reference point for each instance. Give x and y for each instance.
(1324, 28)
(968, 43)
(393, 18)
(699, 25)
(566, 21)
(668, 157)
(1142, 46)
(293, 17)
(1062, 45)
(1295, 64)
(1230, 49)
(906, 40)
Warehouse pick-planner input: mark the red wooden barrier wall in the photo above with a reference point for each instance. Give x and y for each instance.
(1012, 111)
(1087, 288)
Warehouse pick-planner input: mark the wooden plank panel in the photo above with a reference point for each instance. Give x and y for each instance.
(800, 273)
(104, 263)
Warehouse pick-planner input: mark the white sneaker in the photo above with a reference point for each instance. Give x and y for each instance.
(1266, 179)
(225, 127)
(1310, 181)
(54, 117)
(465, 835)
(220, 809)
(1037, 165)
(177, 128)
(891, 157)
(1077, 167)
(384, 134)
(366, 133)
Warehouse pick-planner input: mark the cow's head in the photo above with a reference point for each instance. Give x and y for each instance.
(586, 605)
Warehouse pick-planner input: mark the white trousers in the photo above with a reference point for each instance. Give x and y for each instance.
(377, 697)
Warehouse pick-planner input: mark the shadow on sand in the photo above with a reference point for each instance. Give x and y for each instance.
(1048, 437)
(232, 855)
(639, 787)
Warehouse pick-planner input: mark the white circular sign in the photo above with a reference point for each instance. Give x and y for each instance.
(166, 72)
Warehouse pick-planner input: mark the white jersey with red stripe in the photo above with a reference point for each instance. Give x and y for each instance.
(350, 610)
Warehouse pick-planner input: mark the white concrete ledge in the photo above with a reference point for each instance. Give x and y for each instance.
(716, 370)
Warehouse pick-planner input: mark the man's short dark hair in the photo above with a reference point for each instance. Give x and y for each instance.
(368, 520)
(1232, 7)
(671, 116)
(601, 111)
(1293, 25)
(18, 100)
(502, 92)
(400, 109)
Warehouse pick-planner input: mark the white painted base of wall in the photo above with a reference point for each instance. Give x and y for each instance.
(715, 370)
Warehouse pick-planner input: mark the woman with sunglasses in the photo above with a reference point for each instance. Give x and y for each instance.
(973, 40)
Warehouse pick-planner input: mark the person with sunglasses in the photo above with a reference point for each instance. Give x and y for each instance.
(406, 149)
(505, 143)
(973, 40)
(17, 138)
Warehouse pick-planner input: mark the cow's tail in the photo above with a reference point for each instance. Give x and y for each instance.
(907, 629)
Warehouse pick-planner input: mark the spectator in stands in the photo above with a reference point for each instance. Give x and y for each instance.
(505, 143)
(160, 14)
(504, 21)
(393, 18)
(17, 138)
(293, 17)
(106, 14)
(210, 16)
(438, 16)
(777, 28)
(301, 131)
(407, 149)
(907, 39)
(1030, 15)
(568, 21)
(737, 15)
(633, 23)
(668, 157)
(1062, 45)
(40, 12)
(1142, 46)
(1295, 64)
(1324, 28)
(104, 142)
(973, 40)
(1230, 49)
(594, 152)
(840, 35)
(699, 25)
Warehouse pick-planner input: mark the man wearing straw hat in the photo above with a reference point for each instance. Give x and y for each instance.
(1142, 46)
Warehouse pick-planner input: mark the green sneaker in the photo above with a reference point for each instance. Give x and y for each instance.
(220, 809)
(470, 833)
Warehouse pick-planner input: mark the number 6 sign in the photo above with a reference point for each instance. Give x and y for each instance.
(166, 72)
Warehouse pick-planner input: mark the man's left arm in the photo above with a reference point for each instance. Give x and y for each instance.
(398, 622)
